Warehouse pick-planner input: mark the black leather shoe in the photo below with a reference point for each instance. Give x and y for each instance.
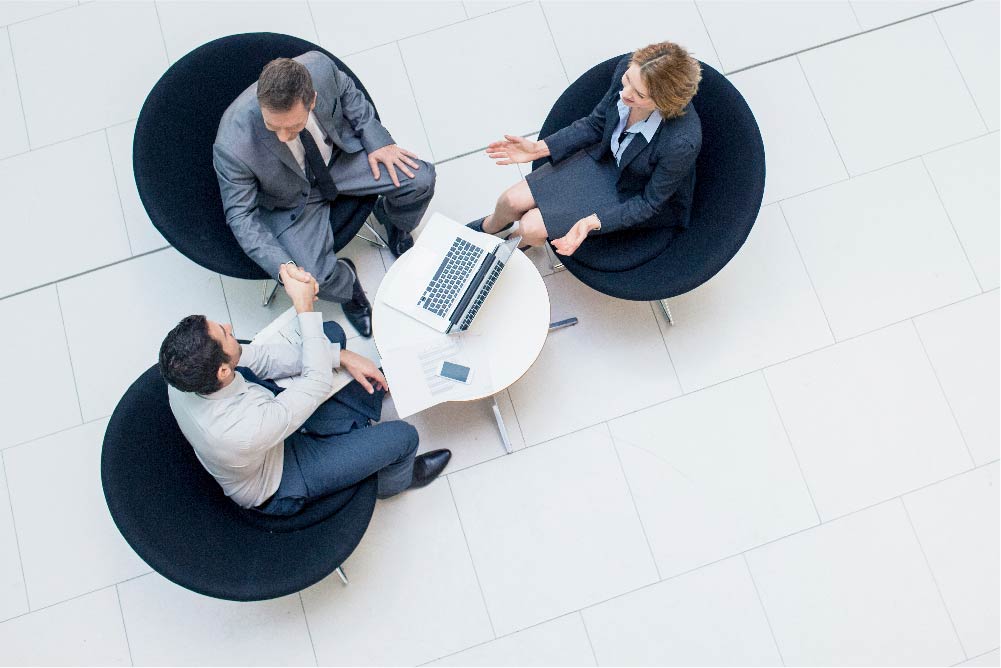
(359, 310)
(477, 225)
(399, 241)
(428, 466)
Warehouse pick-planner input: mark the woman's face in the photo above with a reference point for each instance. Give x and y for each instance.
(634, 93)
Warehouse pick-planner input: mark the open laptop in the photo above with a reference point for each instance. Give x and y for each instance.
(450, 272)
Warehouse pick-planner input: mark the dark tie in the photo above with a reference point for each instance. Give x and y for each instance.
(320, 173)
(251, 377)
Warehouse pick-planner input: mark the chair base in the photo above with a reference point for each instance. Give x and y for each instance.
(667, 311)
(378, 242)
(341, 575)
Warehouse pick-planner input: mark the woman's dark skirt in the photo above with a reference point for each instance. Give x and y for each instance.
(573, 189)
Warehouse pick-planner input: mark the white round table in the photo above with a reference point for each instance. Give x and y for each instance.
(508, 332)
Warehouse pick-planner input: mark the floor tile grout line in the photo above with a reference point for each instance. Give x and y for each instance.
(38, 16)
(413, 95)
(792, 447)
(845, 38)
(941, 388)
(977, 656)
(20, 96)
(506, 635)
(77, 596)
(823, 116)
(163, 36)
(69, 354)
(952, 224)
(429, 30)
(118, 191)
(225, 300)
(35, 439)
(587, 634)
(934, 579)
(858, 22)
(125, 627)
(959, 71)
(312, 18)
(472, 561)
(764, 610)
(747, 373)
(309, 631)
(806, 270)
(632, 498)
(661, 325)
(17, 540)
(63, 279)
(556, 47)
(705, 26)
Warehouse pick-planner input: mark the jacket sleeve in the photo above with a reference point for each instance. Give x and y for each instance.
(238, 187)
(671, 171)
(360, 113)
(588, 130)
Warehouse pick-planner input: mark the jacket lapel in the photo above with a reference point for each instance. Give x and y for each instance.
(635, 147)
(325, 111)
(281, 151)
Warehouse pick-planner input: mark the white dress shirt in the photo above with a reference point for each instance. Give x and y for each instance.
(299, 153)
(646, 128)
(238, 432)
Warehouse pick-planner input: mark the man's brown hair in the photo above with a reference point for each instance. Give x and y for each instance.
(671, 76)
(282, 82)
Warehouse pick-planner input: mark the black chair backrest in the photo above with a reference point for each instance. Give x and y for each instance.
(729, 185)
(172, 147)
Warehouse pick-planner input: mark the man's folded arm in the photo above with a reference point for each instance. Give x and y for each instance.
(238, 187)
(280, 360)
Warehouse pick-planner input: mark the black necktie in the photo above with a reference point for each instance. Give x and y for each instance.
(251, 377)
(320, 172)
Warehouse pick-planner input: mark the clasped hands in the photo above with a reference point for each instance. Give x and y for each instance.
(514, 149)
(303, 290)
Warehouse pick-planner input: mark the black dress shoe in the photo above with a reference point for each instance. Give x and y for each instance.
(359, 310)
(428, 466)
(477, 225)
(399, 241)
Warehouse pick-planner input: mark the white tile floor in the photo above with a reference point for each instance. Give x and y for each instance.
(802, 470)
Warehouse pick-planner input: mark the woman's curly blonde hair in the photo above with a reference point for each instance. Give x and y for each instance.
(670, 74)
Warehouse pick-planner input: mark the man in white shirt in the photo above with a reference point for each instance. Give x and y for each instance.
(276, 449)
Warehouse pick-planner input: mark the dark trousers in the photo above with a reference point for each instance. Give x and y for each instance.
(336, 448)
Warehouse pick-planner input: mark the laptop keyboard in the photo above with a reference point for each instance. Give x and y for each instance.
(450, 277)
(484, 291)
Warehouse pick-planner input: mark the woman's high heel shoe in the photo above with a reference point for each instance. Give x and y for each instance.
(478, 226)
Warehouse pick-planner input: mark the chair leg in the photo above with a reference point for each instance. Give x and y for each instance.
(560, 324)
(554, 262)
(667, 311)
(266, 296)
(341, 575)
(378, 242)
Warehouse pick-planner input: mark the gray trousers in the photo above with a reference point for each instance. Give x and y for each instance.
(312, 235)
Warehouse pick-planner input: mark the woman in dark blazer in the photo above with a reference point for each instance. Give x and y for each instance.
(630, 163)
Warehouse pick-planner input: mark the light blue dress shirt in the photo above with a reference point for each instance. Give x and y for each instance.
(646, 128)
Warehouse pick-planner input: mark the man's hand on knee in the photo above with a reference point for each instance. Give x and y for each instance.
(364, 371)
(393, 157)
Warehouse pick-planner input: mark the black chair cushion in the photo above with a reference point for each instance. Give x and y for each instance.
(172, 149)
(654, 263)
(175, 516)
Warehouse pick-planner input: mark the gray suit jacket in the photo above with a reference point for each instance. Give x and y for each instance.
(263, 189)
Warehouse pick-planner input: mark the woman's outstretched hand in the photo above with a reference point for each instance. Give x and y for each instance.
(516, 149)
(566, 245)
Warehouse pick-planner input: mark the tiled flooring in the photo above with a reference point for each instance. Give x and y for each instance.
(802, 470)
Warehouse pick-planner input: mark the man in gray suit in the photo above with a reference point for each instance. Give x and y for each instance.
(287, 147)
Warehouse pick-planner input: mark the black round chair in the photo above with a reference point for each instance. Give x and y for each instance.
(172, 149)
(651, 263)
(176, 517)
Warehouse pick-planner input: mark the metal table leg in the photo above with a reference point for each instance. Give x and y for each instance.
(501, 427)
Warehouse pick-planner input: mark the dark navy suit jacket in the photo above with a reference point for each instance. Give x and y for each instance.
(656, 178)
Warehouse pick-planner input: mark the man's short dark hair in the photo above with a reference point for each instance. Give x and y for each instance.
(190, 358)
(283, 81)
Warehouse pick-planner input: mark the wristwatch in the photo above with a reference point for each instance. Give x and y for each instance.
(279, 279)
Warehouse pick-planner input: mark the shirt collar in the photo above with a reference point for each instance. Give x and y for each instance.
(238, 386)
(646, 128)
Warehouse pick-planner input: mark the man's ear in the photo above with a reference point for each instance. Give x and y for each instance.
(313, 106)
(223, 373)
